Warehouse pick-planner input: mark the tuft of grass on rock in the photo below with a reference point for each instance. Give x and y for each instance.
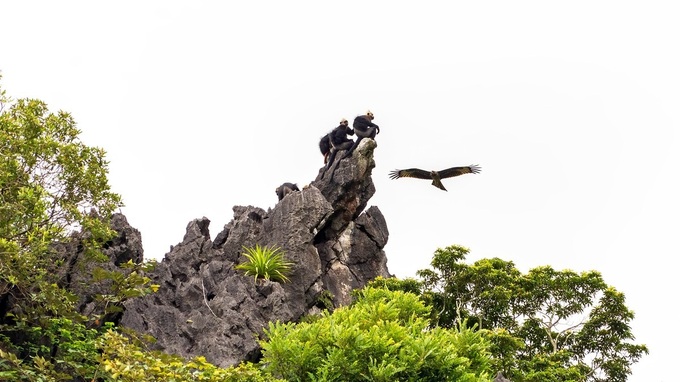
(266, 263)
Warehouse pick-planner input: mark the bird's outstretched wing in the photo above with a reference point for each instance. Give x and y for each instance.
(410, 173)
(455, 171)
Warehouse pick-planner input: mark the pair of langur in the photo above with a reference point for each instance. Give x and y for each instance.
(337, 139)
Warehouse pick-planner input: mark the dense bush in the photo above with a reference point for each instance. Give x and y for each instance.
(122, 360)
(383, 336)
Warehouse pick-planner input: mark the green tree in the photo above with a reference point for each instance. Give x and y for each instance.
(53, 189)
(383, 336)
(409, 284)
(548, 325)
(51, 184)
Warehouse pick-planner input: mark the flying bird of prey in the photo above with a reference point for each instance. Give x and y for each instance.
(436, 176)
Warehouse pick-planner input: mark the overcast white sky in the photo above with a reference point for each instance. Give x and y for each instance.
(571, 109)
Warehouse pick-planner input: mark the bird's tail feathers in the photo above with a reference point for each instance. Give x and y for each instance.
(438, 183)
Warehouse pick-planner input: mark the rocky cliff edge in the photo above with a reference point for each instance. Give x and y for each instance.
(206, 307)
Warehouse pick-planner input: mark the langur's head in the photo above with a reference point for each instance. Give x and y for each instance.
(344, 122)
(369, 114)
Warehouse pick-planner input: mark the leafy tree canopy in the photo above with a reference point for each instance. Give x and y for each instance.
(548, 325)
(53, 190)
(51, 184)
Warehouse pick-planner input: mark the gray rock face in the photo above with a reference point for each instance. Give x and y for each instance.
(206, 307)
(76, 271)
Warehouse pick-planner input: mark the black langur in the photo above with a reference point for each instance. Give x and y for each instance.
(285, 189)
(339, 140)
(325, 147)
(363, 128)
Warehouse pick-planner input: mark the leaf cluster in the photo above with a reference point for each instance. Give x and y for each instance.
(51, 184)
(383, 336)
(266, 263)
(122, 360)
(54, 192)
(562, 324)
(61, 350)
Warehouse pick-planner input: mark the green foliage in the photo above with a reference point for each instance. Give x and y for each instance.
(50, 185)
(325, 300)
(123, 286)
(107, 355)
(61, 350)
(409, 284)
(383, 336)
(546, 325)
(122, 360)
(53, 190)
(265, 262)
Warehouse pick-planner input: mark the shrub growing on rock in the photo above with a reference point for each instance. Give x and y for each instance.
(265, 262)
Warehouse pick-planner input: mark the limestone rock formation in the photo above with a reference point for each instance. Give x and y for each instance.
(206, 307)
(76, 271)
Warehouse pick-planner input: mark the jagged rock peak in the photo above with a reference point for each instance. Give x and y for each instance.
(206, 307)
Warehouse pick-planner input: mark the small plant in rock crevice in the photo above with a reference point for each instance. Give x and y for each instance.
(266, 263)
